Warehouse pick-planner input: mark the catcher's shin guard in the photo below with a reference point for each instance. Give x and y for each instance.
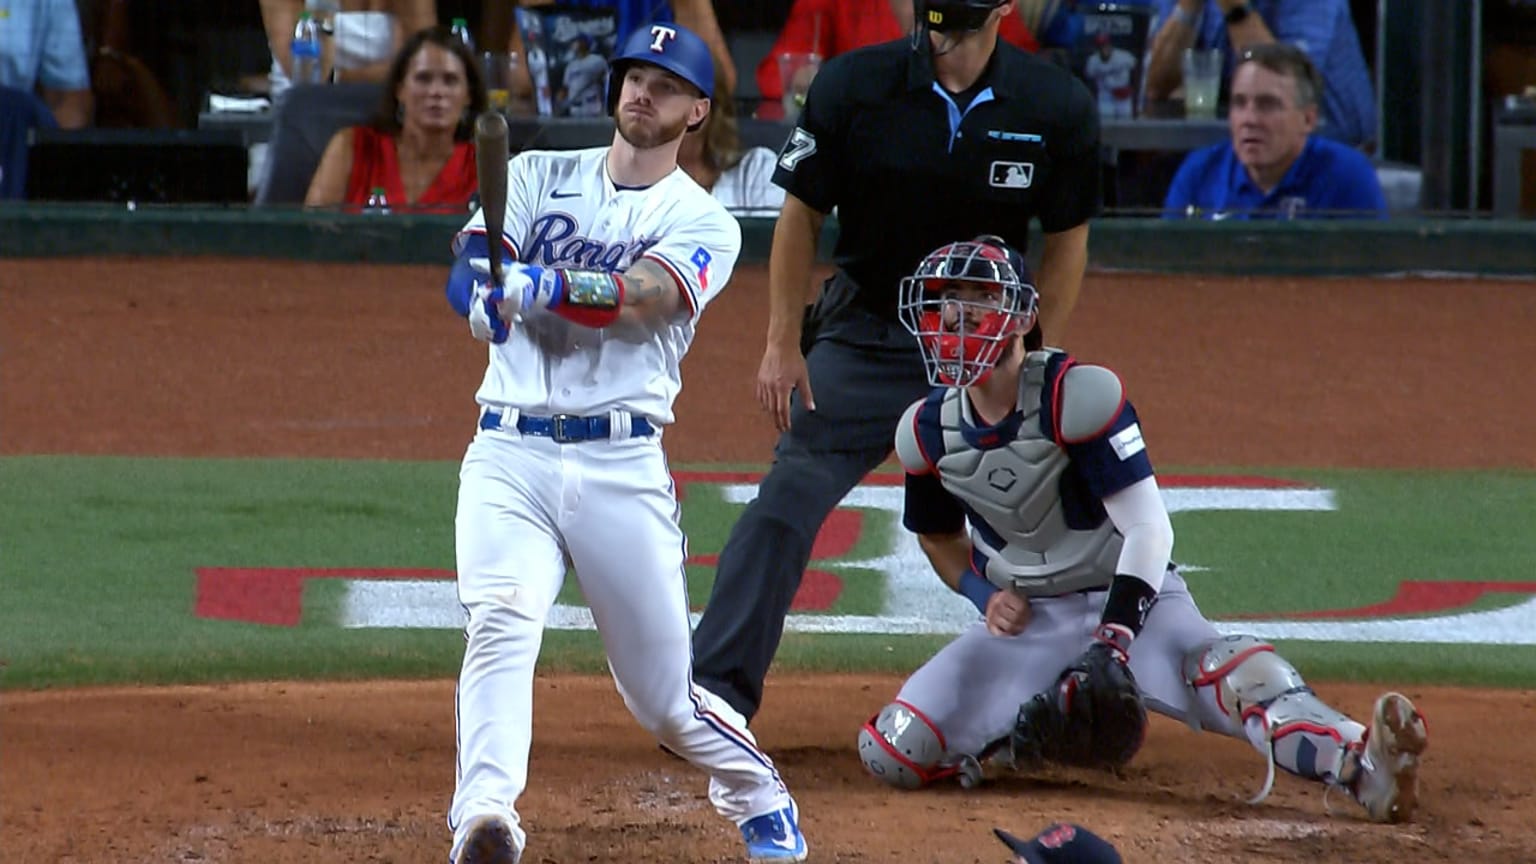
(1269, 698)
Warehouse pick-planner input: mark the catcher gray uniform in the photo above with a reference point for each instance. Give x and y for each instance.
(1063, 509)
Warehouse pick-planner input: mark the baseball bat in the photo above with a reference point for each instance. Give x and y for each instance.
(491, 166)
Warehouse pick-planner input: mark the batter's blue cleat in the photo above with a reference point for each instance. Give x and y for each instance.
(774, 837)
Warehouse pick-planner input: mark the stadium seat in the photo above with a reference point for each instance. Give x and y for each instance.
(1401, 183)
(146, 166)
(748, 48)
(303, 123)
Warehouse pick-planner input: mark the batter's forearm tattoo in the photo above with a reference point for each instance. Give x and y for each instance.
(645, 282)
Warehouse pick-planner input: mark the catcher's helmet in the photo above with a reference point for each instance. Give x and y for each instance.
(951, 16)
(964, 303)
(669, 46)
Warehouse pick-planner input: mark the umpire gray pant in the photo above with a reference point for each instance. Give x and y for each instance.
(865, 370)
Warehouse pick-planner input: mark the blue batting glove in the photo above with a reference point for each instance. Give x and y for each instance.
(485, 316)
(529, 289)
(463, 278)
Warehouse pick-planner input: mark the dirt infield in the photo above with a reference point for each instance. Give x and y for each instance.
(239, 358)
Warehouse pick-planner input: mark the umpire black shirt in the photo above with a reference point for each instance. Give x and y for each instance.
(909, 170)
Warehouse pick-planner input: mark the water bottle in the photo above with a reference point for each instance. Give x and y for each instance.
(306, 50)
(378, 202)
(460, 31)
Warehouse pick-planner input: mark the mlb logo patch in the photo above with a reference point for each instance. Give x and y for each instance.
(1013, 175)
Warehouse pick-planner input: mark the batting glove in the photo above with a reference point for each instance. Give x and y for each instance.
(485, 321)
(526, 289)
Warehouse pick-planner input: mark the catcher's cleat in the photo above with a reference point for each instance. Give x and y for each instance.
(775, 836)
(489, 842)
(1381, 770)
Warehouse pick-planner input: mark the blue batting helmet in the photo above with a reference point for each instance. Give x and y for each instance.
(675, 49)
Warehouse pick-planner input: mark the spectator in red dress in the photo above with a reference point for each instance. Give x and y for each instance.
(832, 27)
(419, 147)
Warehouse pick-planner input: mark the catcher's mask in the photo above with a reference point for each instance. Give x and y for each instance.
(952, 16)
(965, 303)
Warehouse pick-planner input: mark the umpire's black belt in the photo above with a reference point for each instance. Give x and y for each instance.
(566, 428)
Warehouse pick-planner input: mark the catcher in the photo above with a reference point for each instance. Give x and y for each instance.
(1085, 622)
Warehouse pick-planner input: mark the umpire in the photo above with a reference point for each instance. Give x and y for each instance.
(916, 143)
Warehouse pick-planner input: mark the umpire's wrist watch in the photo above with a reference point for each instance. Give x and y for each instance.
(1238, 14)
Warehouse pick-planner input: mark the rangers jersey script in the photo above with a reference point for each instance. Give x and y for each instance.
(564, 211)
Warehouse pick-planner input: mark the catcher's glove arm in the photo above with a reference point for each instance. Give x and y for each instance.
(1093, 715)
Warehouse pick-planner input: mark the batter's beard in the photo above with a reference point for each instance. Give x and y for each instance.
(644, 138)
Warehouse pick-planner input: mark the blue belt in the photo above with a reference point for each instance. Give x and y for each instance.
(568, 428)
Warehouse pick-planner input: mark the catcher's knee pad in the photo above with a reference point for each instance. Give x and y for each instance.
(902, 748)
(1244, 673)
(1265, 694)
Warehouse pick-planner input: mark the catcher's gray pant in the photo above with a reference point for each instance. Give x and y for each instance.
(972, 688)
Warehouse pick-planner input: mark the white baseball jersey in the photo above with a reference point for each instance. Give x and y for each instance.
(1114, 73)
(584, 90)
(747, 188)
(563, 210)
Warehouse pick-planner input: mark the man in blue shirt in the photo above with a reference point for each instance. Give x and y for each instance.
(41, 51)
(1274, 166)
(1324, 29)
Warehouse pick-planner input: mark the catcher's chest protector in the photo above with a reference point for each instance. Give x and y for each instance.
(1015, 489)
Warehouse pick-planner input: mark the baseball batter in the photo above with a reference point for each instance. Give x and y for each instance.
(582, 84)
(615, 254)
(1110, 69)
(1067, 560)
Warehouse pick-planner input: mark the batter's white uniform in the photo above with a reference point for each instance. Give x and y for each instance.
(1111, 79)
(528, 503)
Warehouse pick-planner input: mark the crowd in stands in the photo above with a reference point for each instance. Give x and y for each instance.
(1297, 87)
(418, 149)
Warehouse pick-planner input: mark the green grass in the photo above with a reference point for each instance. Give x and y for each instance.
(99, 558)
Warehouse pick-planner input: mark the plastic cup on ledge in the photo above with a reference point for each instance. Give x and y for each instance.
(1202, 82)
(498, 69)
(796, 69)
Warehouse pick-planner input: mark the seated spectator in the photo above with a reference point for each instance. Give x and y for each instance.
(127, 94)
(41, 51)
(741, 179)
(419, 146)
(833, 27)
(1274, 167)
(1325, 29)
(362, 36)
(696, 15)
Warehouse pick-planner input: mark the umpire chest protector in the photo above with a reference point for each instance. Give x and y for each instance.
(1020, 525)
